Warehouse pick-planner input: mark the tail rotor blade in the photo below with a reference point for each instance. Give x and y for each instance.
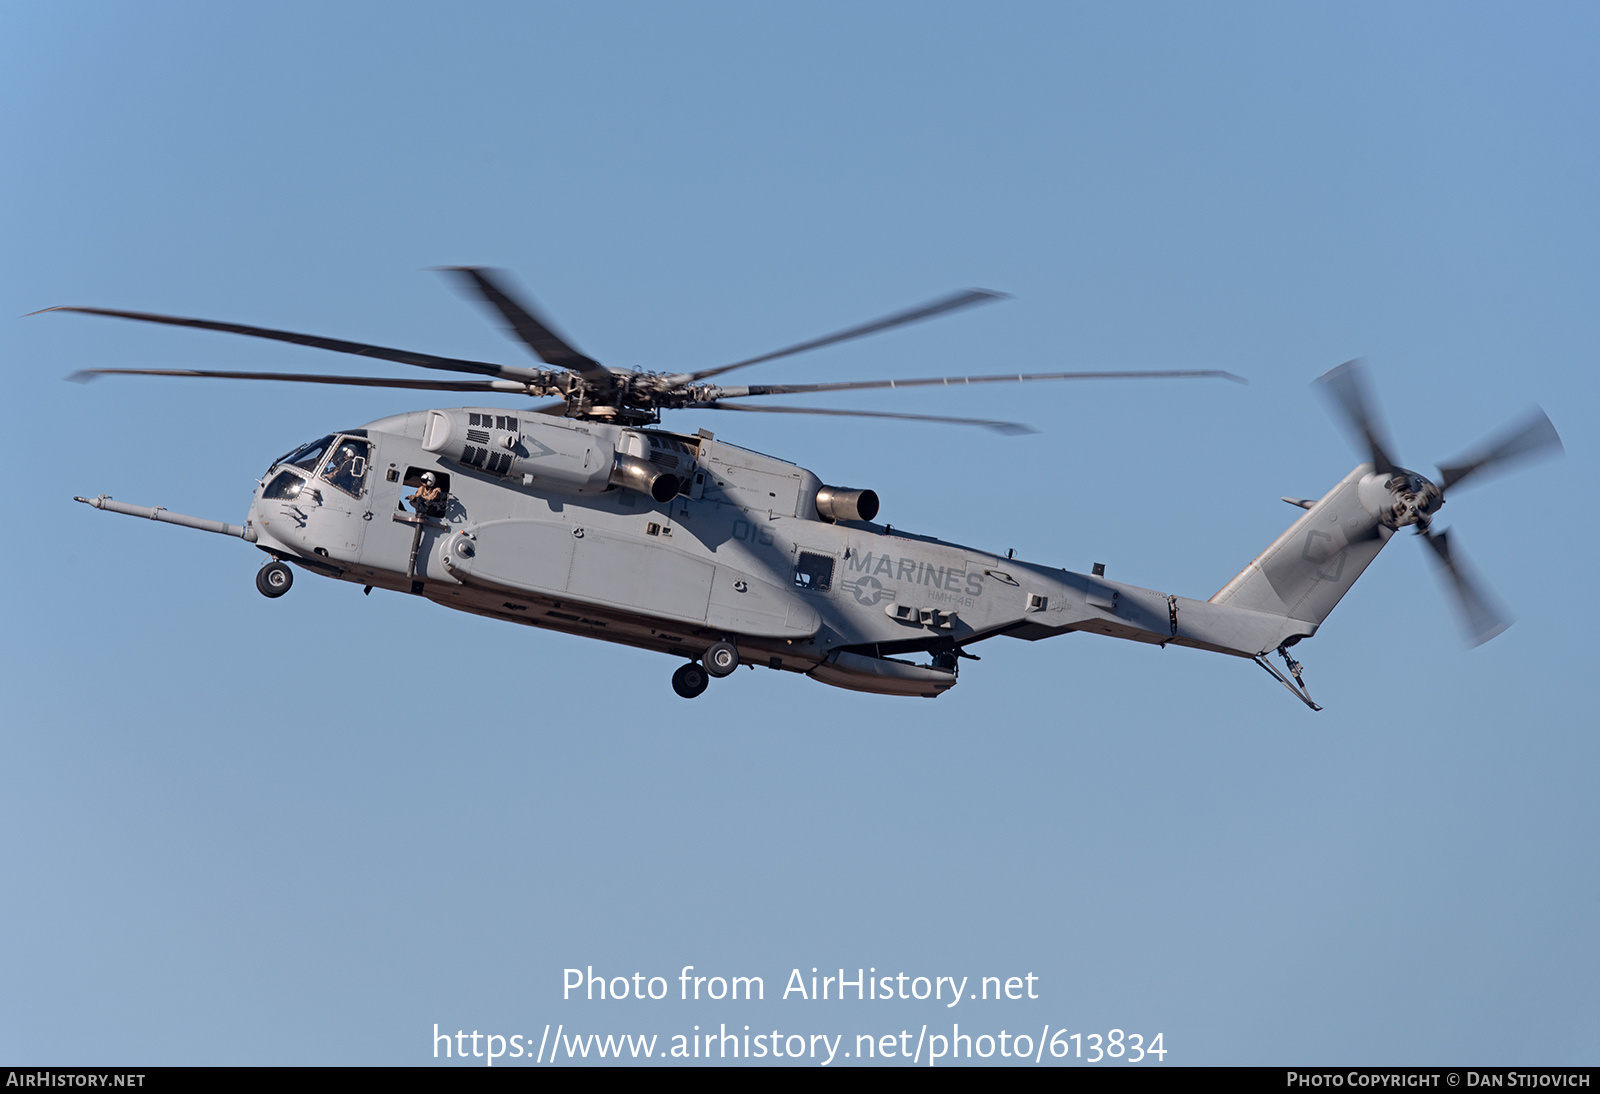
(1533, 436)
(1346, 386)
(1480, 618)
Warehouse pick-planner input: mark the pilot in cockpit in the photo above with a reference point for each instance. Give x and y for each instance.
(429, 498)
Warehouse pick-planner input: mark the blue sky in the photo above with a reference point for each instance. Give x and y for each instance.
(304, 831)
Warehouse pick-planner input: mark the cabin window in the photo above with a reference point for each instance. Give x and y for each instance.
(347, 467)
(814, 572)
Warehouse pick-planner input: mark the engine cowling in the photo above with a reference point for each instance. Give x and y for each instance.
(555, 454)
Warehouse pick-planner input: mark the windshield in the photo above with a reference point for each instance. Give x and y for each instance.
(286, 485)
(308, 455)
(347, 467)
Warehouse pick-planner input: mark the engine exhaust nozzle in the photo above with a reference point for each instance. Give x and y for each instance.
(632, 473)
(835, 503)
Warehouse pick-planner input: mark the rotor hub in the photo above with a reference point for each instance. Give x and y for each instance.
(617, 415)
(1413, 500)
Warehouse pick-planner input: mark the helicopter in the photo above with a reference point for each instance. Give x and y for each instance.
(585, 516)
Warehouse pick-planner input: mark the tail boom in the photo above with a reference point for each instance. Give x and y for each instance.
(1280, 598)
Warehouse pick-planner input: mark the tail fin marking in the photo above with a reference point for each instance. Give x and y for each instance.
(1309, 568)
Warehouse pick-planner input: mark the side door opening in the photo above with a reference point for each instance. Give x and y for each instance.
(413, 480)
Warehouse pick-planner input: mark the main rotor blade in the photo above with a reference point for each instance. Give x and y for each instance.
(337, 345)
(953, 381)
(927, 311)
(514, 387)
(1479, 617)
(1346, 385)
(1535, 435)
(1009, 428)
(529, 326)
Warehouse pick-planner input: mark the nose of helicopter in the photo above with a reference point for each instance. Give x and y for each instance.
(282, 503)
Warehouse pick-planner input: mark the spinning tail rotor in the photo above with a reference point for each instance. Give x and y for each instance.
(1415, 500)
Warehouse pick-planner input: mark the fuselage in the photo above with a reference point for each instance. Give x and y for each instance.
(536, 531)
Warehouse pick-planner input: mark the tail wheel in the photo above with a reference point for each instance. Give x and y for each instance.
(721, 659)
(274, 579)
(690, 681)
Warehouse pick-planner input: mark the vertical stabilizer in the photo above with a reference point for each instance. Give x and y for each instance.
(1312, 565)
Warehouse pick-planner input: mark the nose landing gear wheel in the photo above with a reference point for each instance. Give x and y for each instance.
(690, 680)
(274, 579)
(721, 659)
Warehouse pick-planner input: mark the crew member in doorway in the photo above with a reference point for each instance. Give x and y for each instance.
(429, 498)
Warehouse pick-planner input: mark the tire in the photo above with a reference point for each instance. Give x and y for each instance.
(721, 659)
(690, 681)
(274, 579)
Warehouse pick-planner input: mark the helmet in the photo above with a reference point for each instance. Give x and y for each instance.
(427, 477)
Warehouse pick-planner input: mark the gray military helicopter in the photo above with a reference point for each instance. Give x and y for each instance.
(584, 516)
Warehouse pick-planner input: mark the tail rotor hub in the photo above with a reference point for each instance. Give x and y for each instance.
(1414, 500)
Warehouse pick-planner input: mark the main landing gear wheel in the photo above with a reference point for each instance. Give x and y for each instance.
(690, 681)
(274, 579)
(721, 659)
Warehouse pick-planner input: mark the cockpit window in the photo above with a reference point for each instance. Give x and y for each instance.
(308, 456)
(287, 485)
(347, 467)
